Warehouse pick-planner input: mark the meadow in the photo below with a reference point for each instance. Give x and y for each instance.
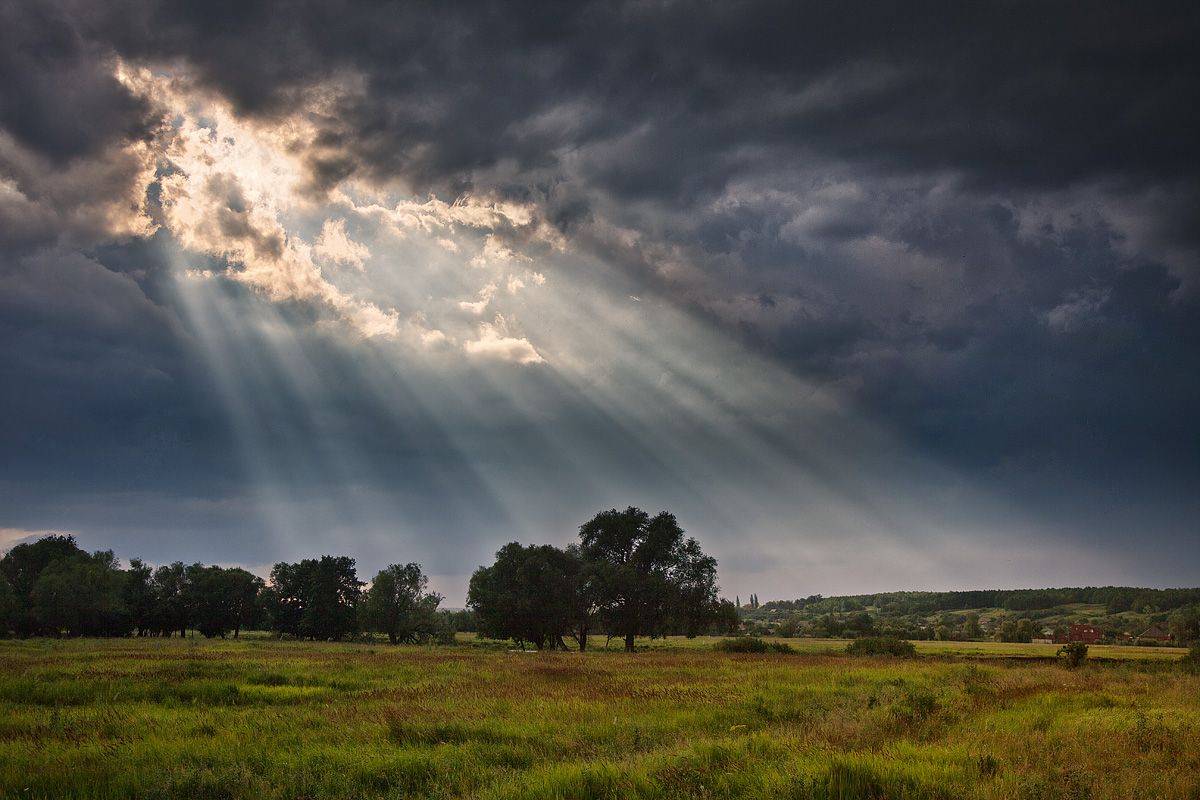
(259, 718)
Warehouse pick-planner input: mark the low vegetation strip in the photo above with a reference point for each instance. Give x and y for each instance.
(264, 719)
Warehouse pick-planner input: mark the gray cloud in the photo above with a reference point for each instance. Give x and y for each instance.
(977, 223)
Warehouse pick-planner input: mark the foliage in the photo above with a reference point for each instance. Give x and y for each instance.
(1185, 625)
(1191, 662)
(528, 594)
(315, 598)
(219, 600)
(646, 575)
(1021, 630)
(8, 607)
(752, 644)
(725, 620)
(80, 595)
(1073, 655)
(397, 604)
(23, 565)
(881, 646)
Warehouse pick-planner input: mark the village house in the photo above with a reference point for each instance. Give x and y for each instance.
(1156, 633)
(1079, 632)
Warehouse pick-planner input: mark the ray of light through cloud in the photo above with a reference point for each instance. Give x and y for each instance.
(421, 352)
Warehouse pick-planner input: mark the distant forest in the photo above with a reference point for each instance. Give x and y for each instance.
(1115, 599)
(1122, 613)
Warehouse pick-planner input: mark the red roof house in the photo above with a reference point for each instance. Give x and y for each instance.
(1157, 633)
(1082, 632)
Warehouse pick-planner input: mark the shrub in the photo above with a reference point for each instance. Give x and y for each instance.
(1191, 662)
(881, 646)
(1073, 654)
(752, 644)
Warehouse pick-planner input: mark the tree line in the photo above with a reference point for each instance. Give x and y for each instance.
(52, 587)
(629, 575)
(1115, 599)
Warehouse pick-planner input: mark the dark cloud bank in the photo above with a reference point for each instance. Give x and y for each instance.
(979, 221)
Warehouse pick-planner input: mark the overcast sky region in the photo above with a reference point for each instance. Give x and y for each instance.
(872, 296)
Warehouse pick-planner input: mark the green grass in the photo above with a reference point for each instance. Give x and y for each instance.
(263, 719)
(1107, 652)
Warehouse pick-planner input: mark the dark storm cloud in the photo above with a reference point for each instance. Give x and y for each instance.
(979, 220)
(58, 96)
(1012, 92)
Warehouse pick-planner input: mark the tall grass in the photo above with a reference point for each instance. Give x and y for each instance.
(267, 720)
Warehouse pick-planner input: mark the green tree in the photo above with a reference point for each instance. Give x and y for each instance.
(727, 622)
(23, 565)
(528, 594)
(8, 607)
(316, 598)
(971, 628)
(398, 604)
(245, 598)
(221, 600)
(138, 593)
(644, 569)
(172, 610)
(81, 595)
(1185, 625)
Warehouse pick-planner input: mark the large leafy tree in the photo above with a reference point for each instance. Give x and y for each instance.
(316, 598)
(8, 607)
(81, 595)
(221, 600)
(1185, 625)
(172, 599)
(245, 598)
(528, 594)
(398, 604)
(645, 572)
(23, 565)
(138, 593)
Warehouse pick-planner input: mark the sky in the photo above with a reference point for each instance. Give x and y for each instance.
(872, 296)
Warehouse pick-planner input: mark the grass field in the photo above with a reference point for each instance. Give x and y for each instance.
(264, 719)
(1107, 652)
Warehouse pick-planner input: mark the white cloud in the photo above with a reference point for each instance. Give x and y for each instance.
(497, 343)
(230, 181)
(477, 307)
(333, 245)
(517, 282)
(495, 252)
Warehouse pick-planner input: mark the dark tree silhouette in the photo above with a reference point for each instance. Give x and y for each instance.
(399, 605)
(171, 600)
(316, 598)
(644, 571)
(80, 595)
(23, 564)
(528, 594)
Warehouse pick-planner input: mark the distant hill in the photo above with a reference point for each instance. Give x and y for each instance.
(1124, 613)
(1115, 599)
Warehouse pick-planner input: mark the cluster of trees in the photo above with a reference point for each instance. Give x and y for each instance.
(52, 587)
(629, 575)
(1115, 598)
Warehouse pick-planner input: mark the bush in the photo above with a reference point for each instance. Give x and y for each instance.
(881, 646)
(1191, 662)
(1073, 654)
(752, 644)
